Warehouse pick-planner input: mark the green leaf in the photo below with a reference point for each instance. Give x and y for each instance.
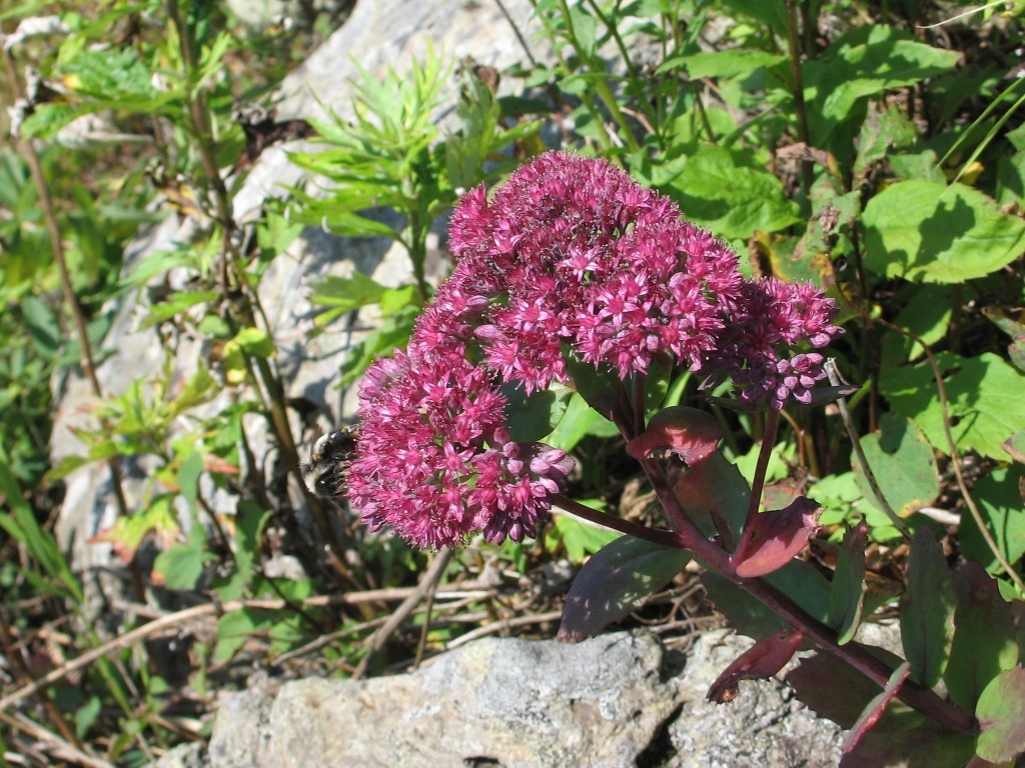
(249, 523)
(927, 609)
(880, 132)
(393, 333)
(869, 60)
(927, 315)
(1000, 711)
(1001, 506)
(924, 231)
(986, 397)
(255, 342)
(847, 594)
(531, 417)
(582, 539)
(181, 565)
(729, 63)
(579, 420)
(616, 581)
(903, 463)
(347, 293)
(726, 191)
(985, 639)
(177, 303)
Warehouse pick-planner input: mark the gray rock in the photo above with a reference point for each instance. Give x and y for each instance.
(764, 726)
(615, 701)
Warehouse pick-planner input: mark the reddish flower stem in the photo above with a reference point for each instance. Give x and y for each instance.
(716, 559)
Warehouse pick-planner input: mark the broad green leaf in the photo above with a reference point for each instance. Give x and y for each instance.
(578, 420)
(616, 581)
(249, 521)
(582, 539)
(927, 609)
(986, 398)
(531, 417)
(1002, 510)
(188, 476)
(177, 303)
(771, 12)
(128, 532)
(985, 639)
(924, 231)
(728, 63)
(181, 565)
(847, 594)
(393, 333)
(347, 293)
(903, 464)
(868, 60)
(927, 315)
(1000, 711)
(726, 191)
(255, 342)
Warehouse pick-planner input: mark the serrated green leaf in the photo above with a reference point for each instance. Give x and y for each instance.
(347, 293)
(986, 397)
(255, 342)
(924, 231)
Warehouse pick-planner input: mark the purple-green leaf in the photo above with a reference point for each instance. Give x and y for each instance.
(847, 594)
(877, 707)
(774, 538)
(1001, 713)
(615, 581)
(690, 434)
(927, 609)
(985, 640)
(759, 662)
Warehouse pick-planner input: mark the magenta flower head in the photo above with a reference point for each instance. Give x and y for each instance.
(771, 317)
(569, 255)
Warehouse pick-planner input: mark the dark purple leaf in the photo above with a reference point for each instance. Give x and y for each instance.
(830, 689)
(877, 707)
(910, 741)
(1001, 714)
(927, 609)
(615, 581)
(774, 538)
(762, 660)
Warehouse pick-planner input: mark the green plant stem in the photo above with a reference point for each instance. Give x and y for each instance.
(800, 108)
(877, 493)
(601, 84)
(633, 78)
(70, 299)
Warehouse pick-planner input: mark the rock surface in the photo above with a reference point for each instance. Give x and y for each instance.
(615, 701)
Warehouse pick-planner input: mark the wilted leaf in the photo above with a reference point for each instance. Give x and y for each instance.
(762, 660)
(775, 538)
(616, 581)
(927, 609)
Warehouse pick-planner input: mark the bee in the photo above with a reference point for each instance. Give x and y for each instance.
(324, 474)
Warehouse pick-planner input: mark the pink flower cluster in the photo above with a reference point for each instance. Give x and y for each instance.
(570, 254)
